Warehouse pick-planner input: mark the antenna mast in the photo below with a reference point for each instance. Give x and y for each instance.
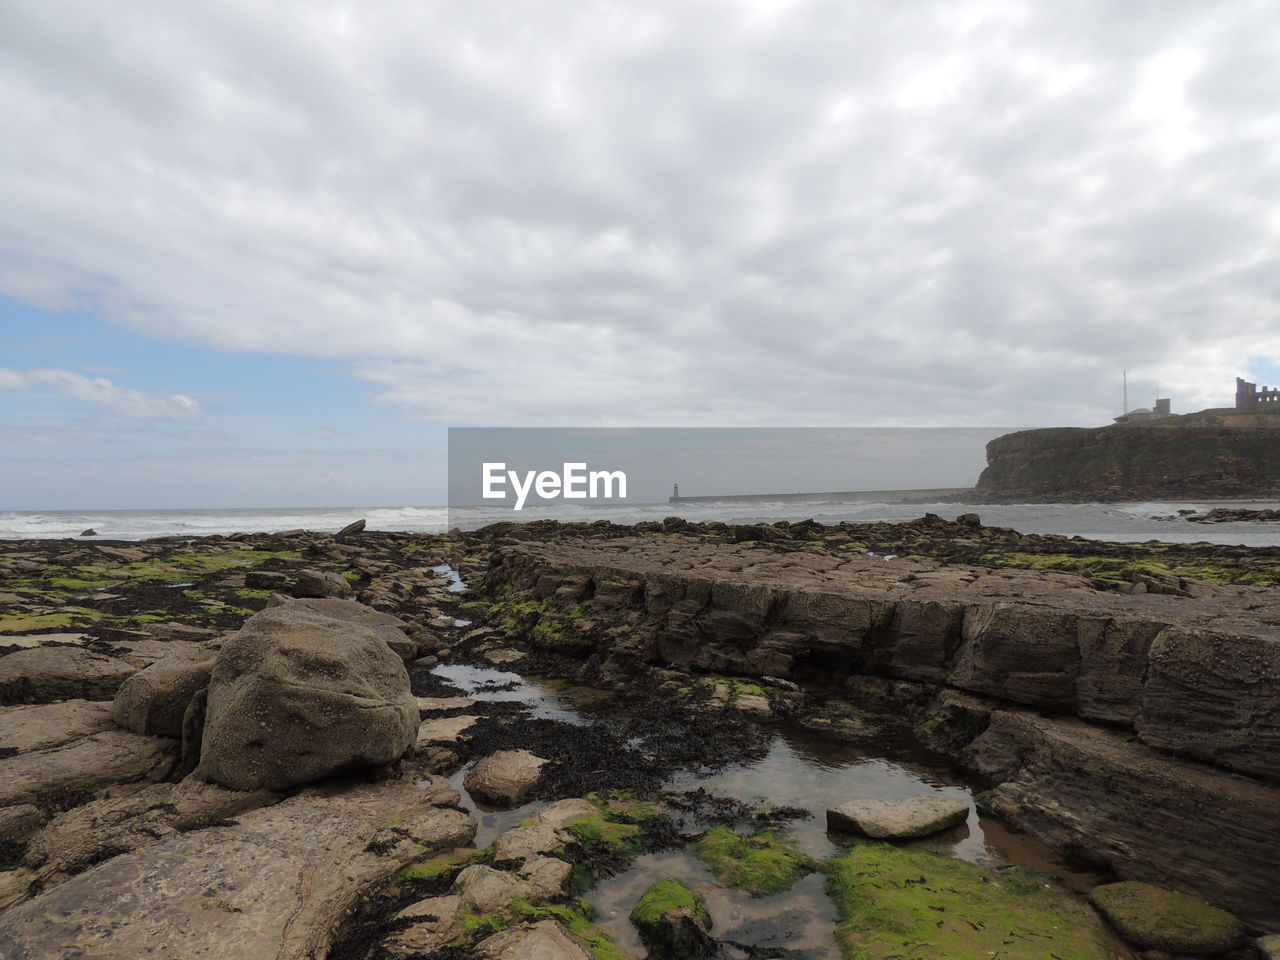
(1125, 375)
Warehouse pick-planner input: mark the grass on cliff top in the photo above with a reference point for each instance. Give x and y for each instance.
(761, 864)
(898, 904)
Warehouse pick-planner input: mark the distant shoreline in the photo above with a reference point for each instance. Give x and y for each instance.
(922, 495)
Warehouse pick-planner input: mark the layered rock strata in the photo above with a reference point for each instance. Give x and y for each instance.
(1061, 693)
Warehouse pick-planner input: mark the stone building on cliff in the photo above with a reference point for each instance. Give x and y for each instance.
(1250, 398)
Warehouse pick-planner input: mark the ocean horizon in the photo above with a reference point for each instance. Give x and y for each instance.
(1122, 522)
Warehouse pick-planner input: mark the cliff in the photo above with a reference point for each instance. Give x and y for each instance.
(1214, 453)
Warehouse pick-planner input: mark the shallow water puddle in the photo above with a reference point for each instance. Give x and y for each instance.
(803, 768)
(801, 919)
(816, 771)
(456, 583)
(488, 685)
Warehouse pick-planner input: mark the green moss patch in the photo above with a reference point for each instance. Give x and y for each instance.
(1151, 918)
(443, 865)
(606, 842)
(664, 897)
(575, 915)
(911, 905)
(762, 863)
(32, 622)
(673, 921)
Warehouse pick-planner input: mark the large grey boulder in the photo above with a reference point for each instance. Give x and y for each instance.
(391, 629)
(296, 695)
(154, 700)
(899, 819)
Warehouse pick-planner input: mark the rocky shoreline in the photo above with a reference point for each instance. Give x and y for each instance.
(240, 745)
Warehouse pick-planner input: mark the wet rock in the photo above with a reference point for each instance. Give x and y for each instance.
(276, 885)
(504, 778)
(59, 775)
(89, 533)
(155, 699)
(320, 583)
(438, 922)
(445, 730)
(483, 889)
(46, 725)
(1191, 675)
(753, 705)
(1268, 947)
(25, 641)
(545, 832)
(431, 704)
(296, 695)
(1151, 918)
(351, 529)
(899, 819)
(673, 922)
(18, 824)
(45, 674)
(503, 656)
(1144, 815)
(544, 940)
(14, 887)
(175, 630)
(114, 825)
(426, 663)
(266, 580)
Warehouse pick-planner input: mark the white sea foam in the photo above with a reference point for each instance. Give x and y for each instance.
(1120, 522)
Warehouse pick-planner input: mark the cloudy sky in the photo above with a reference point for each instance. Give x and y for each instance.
(258, 253)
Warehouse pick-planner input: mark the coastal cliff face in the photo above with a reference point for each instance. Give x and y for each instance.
(1210, 454)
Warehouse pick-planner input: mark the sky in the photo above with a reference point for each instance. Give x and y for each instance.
(264, 253)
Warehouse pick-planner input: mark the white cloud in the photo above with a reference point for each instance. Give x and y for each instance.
(102, 392)
(679, 212)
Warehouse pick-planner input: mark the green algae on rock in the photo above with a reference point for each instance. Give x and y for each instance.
(762, 863)
(673, 921)
(913, 905)
(1152, 918)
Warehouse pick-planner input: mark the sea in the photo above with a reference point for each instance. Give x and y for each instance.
(1120, 522)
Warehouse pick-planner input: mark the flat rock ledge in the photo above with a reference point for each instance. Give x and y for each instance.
(899, 819)
(276, 885)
